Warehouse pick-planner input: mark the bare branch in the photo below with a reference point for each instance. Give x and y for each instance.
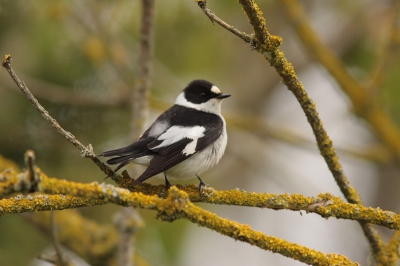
(85, 151)
(203, 5)
(128, 221)
(141, 90)
(389, 51)
(92, 242)
(62, 257)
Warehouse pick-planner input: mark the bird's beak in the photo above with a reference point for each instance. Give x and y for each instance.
(223, 96)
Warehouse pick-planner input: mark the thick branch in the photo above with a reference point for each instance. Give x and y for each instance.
(324, 205)
(325, 145)
(44, 202)
(286, 71)
(177, 205)
(364, 103)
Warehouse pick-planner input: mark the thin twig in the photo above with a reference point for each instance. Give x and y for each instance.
(62, 257)
(85, 151)
(203, 5)
(390, 49)
(30, 163)
(91, 241)
(128, 221)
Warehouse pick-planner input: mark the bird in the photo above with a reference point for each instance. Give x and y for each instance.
(184, 141)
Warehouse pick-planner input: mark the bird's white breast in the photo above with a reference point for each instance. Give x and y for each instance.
(201, 161)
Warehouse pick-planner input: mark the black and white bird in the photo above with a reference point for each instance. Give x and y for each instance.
(184, 141)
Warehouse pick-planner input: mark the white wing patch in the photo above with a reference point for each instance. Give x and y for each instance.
(177, 133)
(190, 148)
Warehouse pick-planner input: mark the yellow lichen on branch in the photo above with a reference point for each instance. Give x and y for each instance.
(289, 77)
(6, 163)
(43, 202)
(178, 205)
(78, 194)
(364, 103)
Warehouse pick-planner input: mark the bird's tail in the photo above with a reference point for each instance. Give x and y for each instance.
(125, 155)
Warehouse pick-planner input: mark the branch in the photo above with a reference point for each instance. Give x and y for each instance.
(325, 145)
(203, 5)
(286, 71)
(389, 51)
(85, 151)
(128, 221)
(6, 163)
(94, 243)
(43, 202)
(365, 104)
(61, 257)
(251, 123)
(324, 205)
(176, 206)
(141, 90)
(393, 249)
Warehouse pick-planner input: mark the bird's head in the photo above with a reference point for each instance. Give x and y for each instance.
(202, 95)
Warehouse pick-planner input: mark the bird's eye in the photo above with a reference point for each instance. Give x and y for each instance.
(203, 95)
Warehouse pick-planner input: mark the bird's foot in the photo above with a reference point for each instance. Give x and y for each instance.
(167, 183)
(202, 184)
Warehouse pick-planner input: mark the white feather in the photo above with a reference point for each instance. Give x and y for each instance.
(212, 106)
(201, 161)
(177, 133)
(144, 160)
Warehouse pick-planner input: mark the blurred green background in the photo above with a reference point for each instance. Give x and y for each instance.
(79, 59)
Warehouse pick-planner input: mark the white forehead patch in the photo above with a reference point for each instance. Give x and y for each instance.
(215, 90)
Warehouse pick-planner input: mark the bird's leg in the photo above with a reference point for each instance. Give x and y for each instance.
(167, 183)
(202, 183)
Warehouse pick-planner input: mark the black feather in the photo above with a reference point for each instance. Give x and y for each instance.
(126, 154)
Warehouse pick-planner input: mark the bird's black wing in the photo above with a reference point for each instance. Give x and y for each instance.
(181, 141)
(127, 154)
